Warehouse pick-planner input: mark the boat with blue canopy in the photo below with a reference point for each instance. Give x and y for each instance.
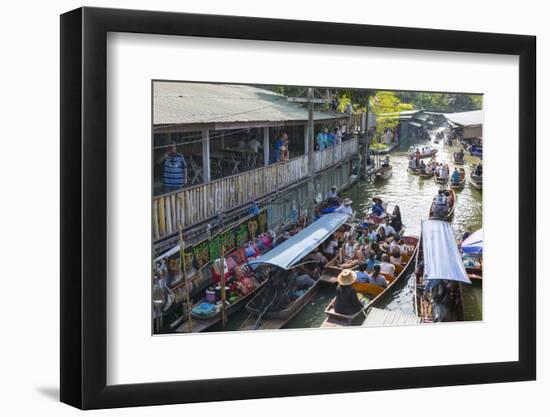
(293, 280)
(292, 250)
(440, 274)
(473, 243)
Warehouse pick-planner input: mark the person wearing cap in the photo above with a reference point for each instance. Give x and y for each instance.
(175, 169)
(346, 301)
(332, 196)
(345, 208)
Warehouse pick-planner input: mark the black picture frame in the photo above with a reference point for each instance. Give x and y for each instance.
(84, 207)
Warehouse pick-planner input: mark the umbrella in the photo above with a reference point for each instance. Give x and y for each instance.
(474, 243)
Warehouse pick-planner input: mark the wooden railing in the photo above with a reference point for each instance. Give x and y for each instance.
(203, 201)
(330, 156)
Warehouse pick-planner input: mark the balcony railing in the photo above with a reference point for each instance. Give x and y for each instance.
(331, 156)
(203, 201)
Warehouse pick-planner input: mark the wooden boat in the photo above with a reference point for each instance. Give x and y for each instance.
(436, 238)
(474, 269)
(472, 255)
(413, 171)
(332, 269)
(384, 173)
(476, 181)
(441, 181)
(426, 174)
(459, 184)
(456, 160)
(373, 293)
(451, 200)
(201, 323)
(423, 153)
(274, 305)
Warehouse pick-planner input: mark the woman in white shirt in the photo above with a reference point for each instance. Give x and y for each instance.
(386, 267)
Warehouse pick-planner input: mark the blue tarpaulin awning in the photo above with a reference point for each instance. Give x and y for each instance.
(295, 248)
(442, 260)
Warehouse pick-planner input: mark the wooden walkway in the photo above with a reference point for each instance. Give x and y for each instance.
(378, 317)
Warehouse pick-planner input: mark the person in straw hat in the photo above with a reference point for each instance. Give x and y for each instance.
(378, 209)
(346, 297)
(345, 208)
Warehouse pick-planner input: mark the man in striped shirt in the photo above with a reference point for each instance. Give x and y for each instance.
(175, 169)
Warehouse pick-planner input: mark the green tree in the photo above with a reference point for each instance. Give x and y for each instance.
(386, 107)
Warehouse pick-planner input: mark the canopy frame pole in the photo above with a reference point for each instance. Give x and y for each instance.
(311, 152)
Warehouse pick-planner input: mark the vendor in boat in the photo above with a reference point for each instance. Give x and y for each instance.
(332, 196)
(455, 177)
(346, 301)
(345, 207)
(378, 209)
(440, 206)
(386, 162)
(377, 278)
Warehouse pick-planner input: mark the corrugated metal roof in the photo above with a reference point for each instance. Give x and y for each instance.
(180, 103)
(466, 118)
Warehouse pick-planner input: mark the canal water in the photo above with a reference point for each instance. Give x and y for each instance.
(414, 196)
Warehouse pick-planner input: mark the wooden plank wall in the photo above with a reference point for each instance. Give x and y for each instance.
(200, 202)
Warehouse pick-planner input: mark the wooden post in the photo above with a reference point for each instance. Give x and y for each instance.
(184, 272)
(206, 155)
(266, 146)
(310, 152)
(306, 139)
